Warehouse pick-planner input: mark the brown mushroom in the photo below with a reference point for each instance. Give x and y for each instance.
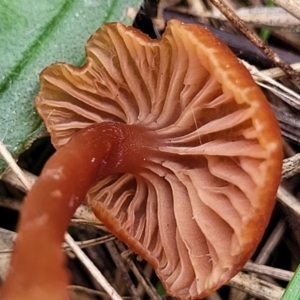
(183, 166)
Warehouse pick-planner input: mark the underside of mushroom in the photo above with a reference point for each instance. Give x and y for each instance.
(197, 201)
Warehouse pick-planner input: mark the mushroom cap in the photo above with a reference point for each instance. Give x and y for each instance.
(199, 206)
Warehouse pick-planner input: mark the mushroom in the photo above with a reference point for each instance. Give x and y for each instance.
(173, 146)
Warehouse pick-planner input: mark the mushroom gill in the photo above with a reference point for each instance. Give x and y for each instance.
(197, 202)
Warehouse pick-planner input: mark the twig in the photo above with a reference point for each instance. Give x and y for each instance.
(10, 203)
(81, 244)
(274, 73)
(162, 5)
(286, 94)
(264, 254)
(255, 39)
(291, 6)
(290, 124)
(119, 262)
(6, 242)
(267, 17)
(93, 242)
(291, 166)
(148, 287)
(256, 287)
(269, 271)
(240, 45)
(144, 281)
(13, 165)
(272, 242)
(288, 200)
(87, 292)
(92, 268)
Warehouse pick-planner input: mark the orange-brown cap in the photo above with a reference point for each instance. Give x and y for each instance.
(200, 203)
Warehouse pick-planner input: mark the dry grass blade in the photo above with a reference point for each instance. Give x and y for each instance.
(271, 243)
(256, 287)
(273, 73)
(6, 243)
(10, 177)
(148, 287)
(270, 17)
(286, 94)
(83, 293)
(288, 200)
(263, 256)
(290, 124)
(10, 203)
(144, 282)
(92, 268)
(269, 271)
(291, 166)
(291, 6)
(92, 242)
(117, 258)
(12, 164)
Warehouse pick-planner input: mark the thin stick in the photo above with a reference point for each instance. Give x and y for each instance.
(119, 262)
(91, 268)
(287, 199)
(256, 287)
(274, 73)
(291, 166)
(148, 287)
(256, 40)
(269, 271)
(93, 242)
(291, 6)
(271, 243)
(286, 94)
(13, 165)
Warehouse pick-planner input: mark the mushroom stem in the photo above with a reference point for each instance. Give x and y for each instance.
(38, 265)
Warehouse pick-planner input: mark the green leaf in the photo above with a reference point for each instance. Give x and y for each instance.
(34, 34)
(292, 291)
